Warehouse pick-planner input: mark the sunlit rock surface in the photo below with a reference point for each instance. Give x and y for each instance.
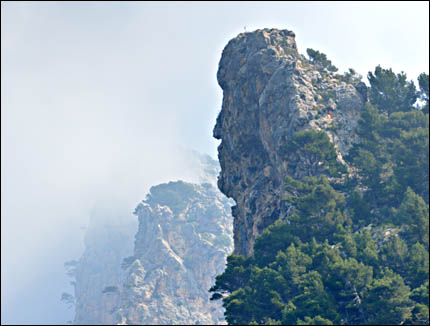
(270, 91)
(184, 236)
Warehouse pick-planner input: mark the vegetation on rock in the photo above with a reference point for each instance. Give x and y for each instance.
(320, 59)
(349, 253)
(172, 194)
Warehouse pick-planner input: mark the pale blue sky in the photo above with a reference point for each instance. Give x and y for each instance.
(101, 100)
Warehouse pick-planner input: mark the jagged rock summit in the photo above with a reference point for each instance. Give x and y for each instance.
(270, 92)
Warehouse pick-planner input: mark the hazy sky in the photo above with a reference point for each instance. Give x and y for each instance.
(102, 100)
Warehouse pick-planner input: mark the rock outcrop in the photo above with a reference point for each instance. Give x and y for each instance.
(182, 237)
(270, 92)
(185, 233)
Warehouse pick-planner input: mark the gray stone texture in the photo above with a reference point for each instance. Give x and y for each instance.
(270, 92)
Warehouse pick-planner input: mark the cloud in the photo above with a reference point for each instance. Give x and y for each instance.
(102, 100)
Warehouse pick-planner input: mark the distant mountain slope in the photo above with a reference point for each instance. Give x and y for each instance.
(184, 236)
(181, 239)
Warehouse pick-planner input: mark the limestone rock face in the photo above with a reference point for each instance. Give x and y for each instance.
(157, 268)
(98, 271)
(185, 233)
(270, 92)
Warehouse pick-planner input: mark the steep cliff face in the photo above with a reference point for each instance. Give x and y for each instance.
(270, 92)
(98, 271)
(184, 236)
(157, 269)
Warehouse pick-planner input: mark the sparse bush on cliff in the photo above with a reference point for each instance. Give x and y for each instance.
(350, 76)
(68, 299)
(110, 289)
(320, 59)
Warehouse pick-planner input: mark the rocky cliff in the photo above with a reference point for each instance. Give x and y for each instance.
(156, 270)
(97, 273)
(184, 236)
(270, 92)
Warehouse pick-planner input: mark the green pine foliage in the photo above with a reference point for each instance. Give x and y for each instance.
(350, 76)
(391, 92)
(354, 254)
(320, 59)
(423, 81)
(315, 148)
